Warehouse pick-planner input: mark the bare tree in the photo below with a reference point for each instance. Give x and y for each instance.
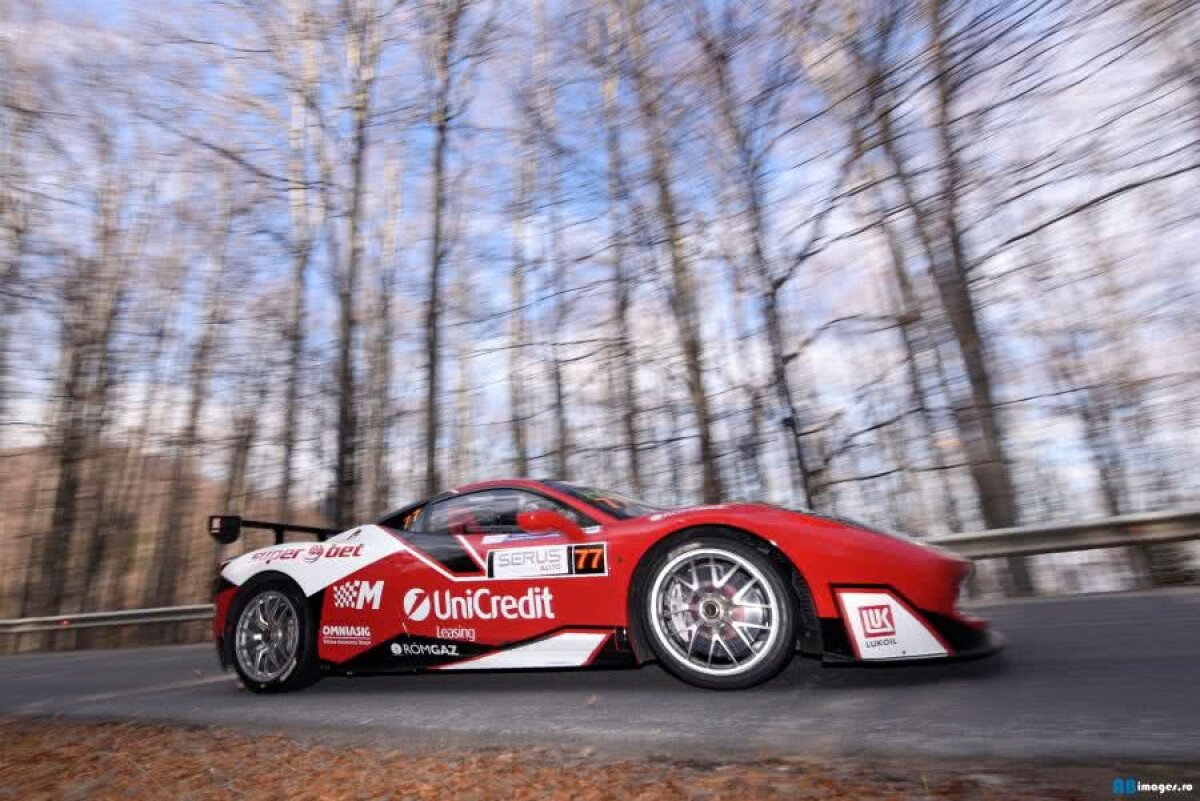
(379, 400)
(18, 117)
(363, 22)
(749, 120)
(606, 58)
(522, 191)
(545, 122)
(683, 293)
(93, 289)
(938, 221)
(302, 94)
(162, 587)
(451, 51)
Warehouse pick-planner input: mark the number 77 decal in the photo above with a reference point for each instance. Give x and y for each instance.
(588, 559)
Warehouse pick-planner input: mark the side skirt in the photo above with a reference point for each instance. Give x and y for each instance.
(567, 648)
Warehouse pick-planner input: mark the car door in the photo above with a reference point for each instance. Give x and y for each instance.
(475, 578)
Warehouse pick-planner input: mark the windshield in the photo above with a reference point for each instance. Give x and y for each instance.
(616, 504)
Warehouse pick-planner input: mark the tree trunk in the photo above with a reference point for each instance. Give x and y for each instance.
(441, 139)
(976, 418)
(132, 485)
(245, 434)
(983, 435)
(379, 400)
(301, 249)
(683, 293)
(516, 350)
(916, 343)
(363, 54)
(10, 280)
(169, 554)
(545, 111)
(92, 297)
(749, 175)
(43, 587)
(984, 441)
(14, 221)
(462, 462)
(618, 201)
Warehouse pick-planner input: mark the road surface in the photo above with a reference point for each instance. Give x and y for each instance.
(1095, 678)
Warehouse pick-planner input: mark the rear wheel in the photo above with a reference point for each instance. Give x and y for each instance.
(273, 638)
(718, 614)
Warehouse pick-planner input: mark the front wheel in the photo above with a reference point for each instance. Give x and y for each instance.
(718, 614)
(273, 638)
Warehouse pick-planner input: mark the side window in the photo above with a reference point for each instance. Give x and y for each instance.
(531, 501)
(437, 515)
(488, 512)
(409, 522)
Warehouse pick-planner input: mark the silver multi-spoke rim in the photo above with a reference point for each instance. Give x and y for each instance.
(268, 632)
(715, 611)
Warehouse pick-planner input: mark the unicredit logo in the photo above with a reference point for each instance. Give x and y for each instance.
(416, 604)
(482, 604)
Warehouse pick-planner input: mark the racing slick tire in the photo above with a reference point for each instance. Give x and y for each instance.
(272, 636)
(717, 613)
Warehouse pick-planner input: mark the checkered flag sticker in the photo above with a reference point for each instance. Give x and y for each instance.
(345, 595)
(357, 594)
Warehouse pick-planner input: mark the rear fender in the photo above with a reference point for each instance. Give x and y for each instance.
(313, 567)
(229, 598)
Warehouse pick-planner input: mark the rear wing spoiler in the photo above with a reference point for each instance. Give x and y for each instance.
(225, 529)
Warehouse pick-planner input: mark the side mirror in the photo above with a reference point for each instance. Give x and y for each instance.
(225, 529)
(550, 520)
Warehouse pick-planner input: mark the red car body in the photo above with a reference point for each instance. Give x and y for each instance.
(388, 599)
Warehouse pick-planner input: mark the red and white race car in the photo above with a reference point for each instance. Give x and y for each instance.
(548, 574)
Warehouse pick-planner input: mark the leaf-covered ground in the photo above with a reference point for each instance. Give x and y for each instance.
(58, 761)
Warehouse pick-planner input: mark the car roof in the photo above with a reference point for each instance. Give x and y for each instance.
(527, 483)
(502, 482)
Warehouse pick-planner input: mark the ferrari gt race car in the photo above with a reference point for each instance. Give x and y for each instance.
(529, 574)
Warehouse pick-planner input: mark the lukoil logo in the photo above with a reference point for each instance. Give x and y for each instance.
(877, 620)
(358, 594)
(535, 604)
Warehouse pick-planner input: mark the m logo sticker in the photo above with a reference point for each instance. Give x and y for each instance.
(877, 620)
(358, 595)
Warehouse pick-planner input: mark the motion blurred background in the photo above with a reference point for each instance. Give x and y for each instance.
(929, 263)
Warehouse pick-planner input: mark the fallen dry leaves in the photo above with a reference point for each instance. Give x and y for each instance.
(60, 761)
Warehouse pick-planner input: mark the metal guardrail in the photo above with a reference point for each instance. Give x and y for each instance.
(123, 617)
(1115, 532)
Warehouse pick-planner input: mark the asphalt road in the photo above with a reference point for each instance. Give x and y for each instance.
(1104, 677)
